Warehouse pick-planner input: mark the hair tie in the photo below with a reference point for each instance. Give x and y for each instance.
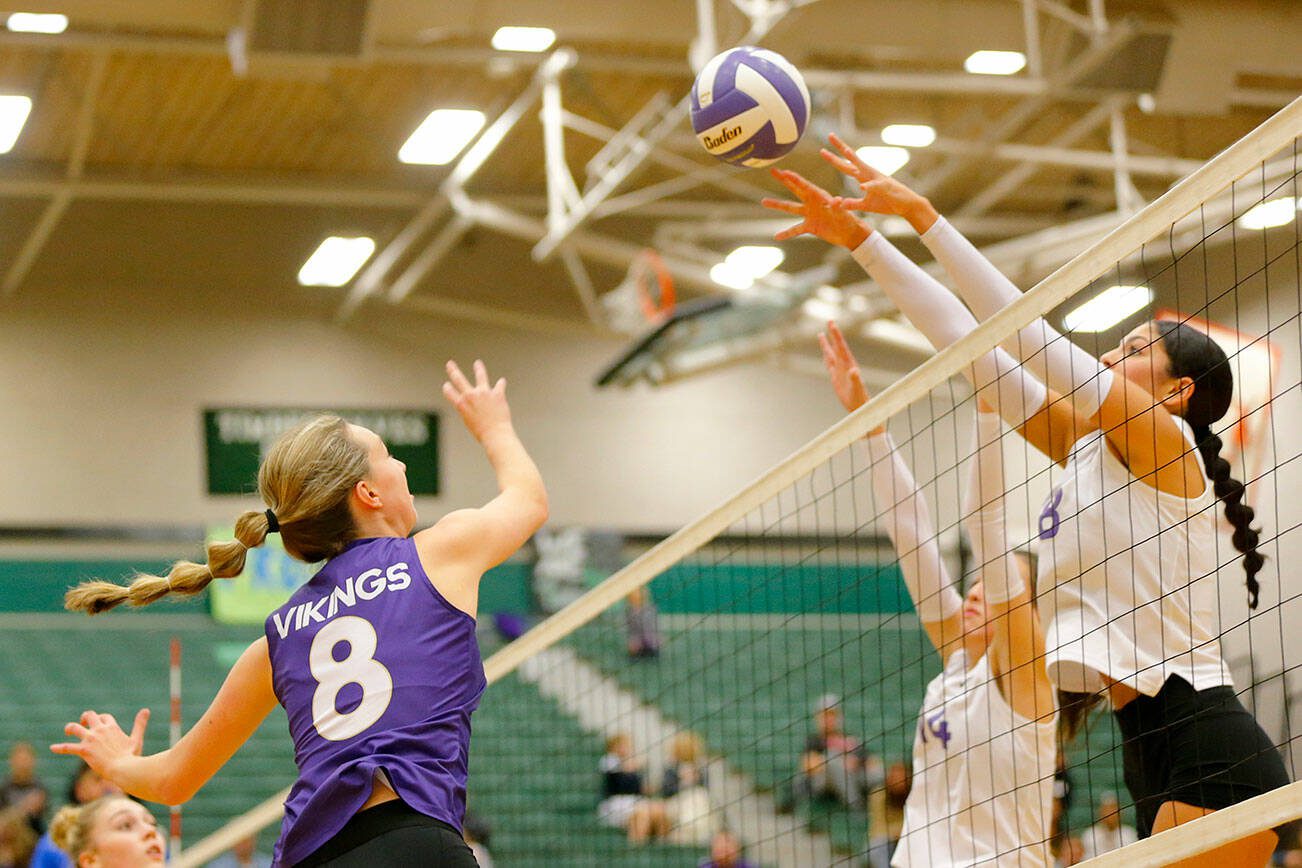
(273, 526)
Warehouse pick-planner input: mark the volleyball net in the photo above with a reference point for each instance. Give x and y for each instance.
(755, 679)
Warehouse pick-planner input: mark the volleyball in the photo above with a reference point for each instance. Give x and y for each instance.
(749, 106)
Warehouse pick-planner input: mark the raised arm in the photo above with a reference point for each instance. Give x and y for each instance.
(174, 775)
(465, 543)
(903, 509)
(1138, 427)
(1017, 644)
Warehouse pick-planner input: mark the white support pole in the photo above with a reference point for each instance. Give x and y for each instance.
(583, 286)
(1031, 24)
(432, 255)
(717, 176)
(561, 192)
(1128, 198)
(1061, 12)
(706, 43)
(639, 149)
(371, 279)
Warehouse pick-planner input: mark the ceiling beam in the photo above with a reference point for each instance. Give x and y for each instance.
(83, 129)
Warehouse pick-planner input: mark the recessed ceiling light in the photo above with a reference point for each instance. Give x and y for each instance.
(886, 159)
(441, 136)
(995, 62)
(756, 260)
(523, 38)
(13, 114)
(1268, 215)
(335, 261)
(731, 276)
(1108, 308)
(33, 22)
(909, 135)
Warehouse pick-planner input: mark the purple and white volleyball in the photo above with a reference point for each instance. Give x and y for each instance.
(749, 106)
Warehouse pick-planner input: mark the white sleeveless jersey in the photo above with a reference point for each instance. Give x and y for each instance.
(1119, 564)
(982, 777)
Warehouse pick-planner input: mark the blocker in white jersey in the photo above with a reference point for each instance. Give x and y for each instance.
(982, 776)
(1119, 568)
(985, 751)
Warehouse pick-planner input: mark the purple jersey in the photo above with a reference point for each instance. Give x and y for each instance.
(379, 675)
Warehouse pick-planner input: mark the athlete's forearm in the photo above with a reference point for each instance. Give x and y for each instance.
(1060, 364)
(984, 515)
(908, 523)
(943, 319)
(515, 470)
(153, 778)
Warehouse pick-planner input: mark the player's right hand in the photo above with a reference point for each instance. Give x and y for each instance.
(847, 380)
(483, 408)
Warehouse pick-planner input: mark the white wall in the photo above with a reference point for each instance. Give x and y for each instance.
(102, 407)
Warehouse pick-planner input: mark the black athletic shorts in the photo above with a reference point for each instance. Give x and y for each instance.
(392, 835)
(1200, 747)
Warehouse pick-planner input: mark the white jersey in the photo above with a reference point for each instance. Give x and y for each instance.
(1118, 565)
(982, 777)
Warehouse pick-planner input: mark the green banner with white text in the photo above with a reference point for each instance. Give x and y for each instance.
(236, 438)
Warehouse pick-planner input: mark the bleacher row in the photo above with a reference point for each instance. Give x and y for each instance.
(534, 769)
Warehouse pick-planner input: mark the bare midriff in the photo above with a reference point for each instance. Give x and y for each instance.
(1119, 694)
(380, 794)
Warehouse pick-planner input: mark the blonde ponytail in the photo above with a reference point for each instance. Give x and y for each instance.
(306, 479)
(186, 578)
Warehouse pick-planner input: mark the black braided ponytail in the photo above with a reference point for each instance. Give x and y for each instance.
(1195, 355)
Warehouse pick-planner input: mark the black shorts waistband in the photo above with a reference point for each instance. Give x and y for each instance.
(371, 823)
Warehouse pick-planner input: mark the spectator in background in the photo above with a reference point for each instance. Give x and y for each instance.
(1108, 833)
(886, 813)
(686, 799)
(622, 788)
(17, 840)
(640, 621)
(243, 855)
(725, 852)
(22, 789)
(834, 765)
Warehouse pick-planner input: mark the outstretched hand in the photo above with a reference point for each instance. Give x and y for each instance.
(881, 194)
(482, 407)
(821, 217)
(102, 743)
(847, 380)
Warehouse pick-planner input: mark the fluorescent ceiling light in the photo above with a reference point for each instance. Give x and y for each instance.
(32, 22)
(886, 159)
(523, 38)
(1267, 215)
(995, 62)
(816, 308)
(1108, 308)
(755, 260)
(441, 136)
(13, 114)
(909, 135)
(336, 261)
(731, 276)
